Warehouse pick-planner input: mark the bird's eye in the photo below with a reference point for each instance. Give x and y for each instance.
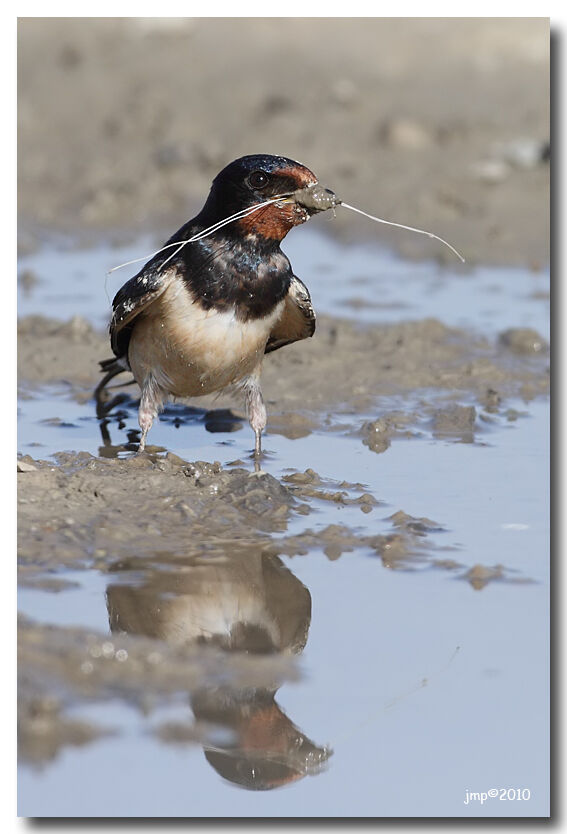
(258, 179)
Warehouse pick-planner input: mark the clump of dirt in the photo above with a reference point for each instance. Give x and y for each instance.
(378, 434)
(479, 576)
(405, 548)
(524, 340)
(456, 421)
(309, 484)
(42, 727)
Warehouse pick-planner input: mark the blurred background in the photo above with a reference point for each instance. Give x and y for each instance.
(441, 123)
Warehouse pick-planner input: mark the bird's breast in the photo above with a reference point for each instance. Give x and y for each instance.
(191, 350)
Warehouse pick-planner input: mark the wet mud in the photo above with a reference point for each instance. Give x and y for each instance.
(344, 364)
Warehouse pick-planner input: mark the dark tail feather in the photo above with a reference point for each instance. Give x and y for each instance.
(110, 368)
(108, 364)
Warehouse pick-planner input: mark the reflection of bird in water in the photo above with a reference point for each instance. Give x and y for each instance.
(269, 751)
(249, 603)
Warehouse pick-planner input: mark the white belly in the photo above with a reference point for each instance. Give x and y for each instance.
(191, 351)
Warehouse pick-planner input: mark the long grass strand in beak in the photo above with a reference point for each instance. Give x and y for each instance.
(200, 235)
(408, 228)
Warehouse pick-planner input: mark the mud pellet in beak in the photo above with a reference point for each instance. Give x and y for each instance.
(316, 198)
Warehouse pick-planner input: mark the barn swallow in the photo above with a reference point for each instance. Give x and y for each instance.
(198, 318)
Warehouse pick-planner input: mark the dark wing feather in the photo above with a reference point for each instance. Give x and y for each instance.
(132, 299)
(298, 318)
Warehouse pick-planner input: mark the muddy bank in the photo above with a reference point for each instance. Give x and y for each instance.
(439, 123)
(343, 365)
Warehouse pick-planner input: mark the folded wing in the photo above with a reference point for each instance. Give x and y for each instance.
(131, 300)
(298, 318)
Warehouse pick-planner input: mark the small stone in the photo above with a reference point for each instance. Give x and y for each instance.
(523, 340)
(77, 327)
(377, 435)
(491, 171)
(406, 134)
(491, 400)
(27, 280)
(24, 466)
(307, 477)
(481, 575)
(344, 92)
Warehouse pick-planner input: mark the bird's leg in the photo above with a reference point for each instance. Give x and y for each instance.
(256, 411)
(151, 402)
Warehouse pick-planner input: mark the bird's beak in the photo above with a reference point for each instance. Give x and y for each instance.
(314, 198)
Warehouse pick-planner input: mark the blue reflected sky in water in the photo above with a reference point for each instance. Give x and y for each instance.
(361, 281)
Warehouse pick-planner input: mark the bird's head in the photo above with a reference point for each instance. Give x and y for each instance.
(255, 179)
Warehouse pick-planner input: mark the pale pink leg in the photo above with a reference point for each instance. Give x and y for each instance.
(256, 410)
(151, 403)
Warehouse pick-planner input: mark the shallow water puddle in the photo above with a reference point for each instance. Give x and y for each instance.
(421, 638)
(362, 282)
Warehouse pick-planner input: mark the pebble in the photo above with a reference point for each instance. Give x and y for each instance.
(523, 340)
(24, 466)
(406, 134)
(523, 153)
(491, 171)
(344, 92)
